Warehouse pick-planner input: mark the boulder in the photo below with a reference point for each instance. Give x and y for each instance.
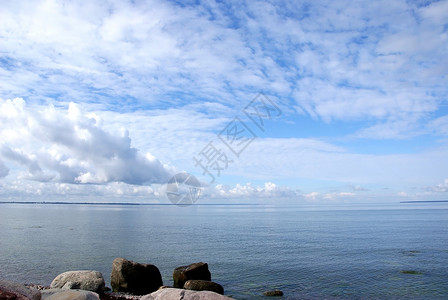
(273, 293)
(15, 291)
(196, 271)
(203, 285)
(69, 294)
(134, 278)
(176, 294)
(81, 280)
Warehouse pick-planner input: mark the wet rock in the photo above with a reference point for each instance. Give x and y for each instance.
(68, 294)
(203, 285)
(15, 291)
(195, 271)
(82, 280)
(273, 293)
(411, 272)
(135, 278)
(175, 294)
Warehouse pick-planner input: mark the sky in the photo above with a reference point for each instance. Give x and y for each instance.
(262, 101)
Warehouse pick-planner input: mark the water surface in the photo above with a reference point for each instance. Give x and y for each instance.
(355, 252)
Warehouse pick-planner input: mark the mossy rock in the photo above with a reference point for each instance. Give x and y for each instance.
(411, 272)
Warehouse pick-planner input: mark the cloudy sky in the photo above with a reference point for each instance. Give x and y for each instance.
(279, 101)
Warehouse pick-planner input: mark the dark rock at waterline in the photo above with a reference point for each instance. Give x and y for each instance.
(273, 293)
(411, 272)
(80, 280)
(135, 278)
(204, 285)
(15, 291)
(195, 271)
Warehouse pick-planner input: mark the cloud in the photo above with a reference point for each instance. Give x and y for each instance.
(312, 197)
(34, 170)
(4, 171)
(345, 61)
(439, 188)
(337, 195)
(174, 74)
(269, 191)
(358, 188)
(317, 197)
(71, 147)
(312, 159)
(439, 125)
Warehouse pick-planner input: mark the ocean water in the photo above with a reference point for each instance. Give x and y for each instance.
(309, 252)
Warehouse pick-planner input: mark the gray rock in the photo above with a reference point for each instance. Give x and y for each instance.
(204, 285)
(176, 294)
(131, 277)
(273, 293)
(196, 271)
(64, 294)
(12, 290)
(82, 280)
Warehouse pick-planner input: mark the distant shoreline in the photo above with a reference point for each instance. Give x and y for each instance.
(123, 203)
(425, 201)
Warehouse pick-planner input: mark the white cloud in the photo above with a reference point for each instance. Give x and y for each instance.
(72, 147)
(174, 74)
(269, 191)
(312, 197)
(337, 195)
(317, 197)
(26, 190)
(439, 188)
(439, 125)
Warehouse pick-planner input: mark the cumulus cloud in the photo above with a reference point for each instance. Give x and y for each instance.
(176, 73)
(439, 188)
(248, 191)
(70, 146)
(316, 197)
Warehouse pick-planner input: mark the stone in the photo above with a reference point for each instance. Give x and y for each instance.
(176, 294)
(203, 285)
(134, 278)
(197, 271)
(82, 280)
(68, 294)
(273, 293)
(15, 291)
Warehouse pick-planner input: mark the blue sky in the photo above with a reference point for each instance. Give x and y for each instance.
(106, 100)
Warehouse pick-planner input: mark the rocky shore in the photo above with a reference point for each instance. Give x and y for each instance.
(129, 280)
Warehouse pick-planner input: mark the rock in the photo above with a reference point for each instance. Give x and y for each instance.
(203, 285)
(69, 294)
(15, 291)
(176, 294)
(82, 280)
(197, 271)
(273, 293)
(131, 277)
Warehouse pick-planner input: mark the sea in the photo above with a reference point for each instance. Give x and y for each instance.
(343, 251)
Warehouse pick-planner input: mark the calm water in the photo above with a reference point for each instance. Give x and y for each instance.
(354, 252)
